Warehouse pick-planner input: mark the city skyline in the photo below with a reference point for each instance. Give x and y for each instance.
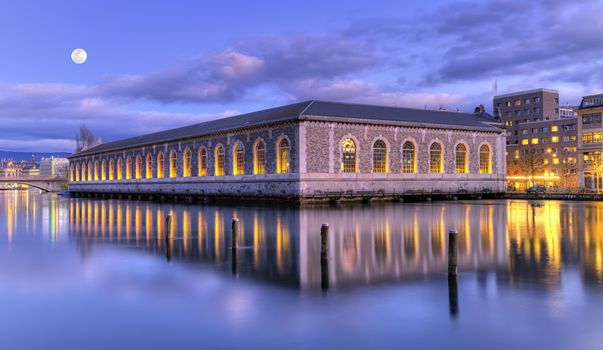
(162, 66)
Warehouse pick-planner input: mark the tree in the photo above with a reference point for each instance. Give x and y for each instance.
(595, 166)
(85, 139)
(531, 162)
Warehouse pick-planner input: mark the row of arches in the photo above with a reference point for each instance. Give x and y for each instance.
(134, 168)
(349, 157)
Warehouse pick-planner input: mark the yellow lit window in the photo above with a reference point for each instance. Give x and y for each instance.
(555, 139)
(186, 163)
(525, 141)
(555, 160)
(554, 128)
(149, 167)
(173, 165)
(238, 167)
(259, 158)
(160, 172)
(535, 141)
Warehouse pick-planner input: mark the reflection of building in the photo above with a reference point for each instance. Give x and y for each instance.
(311, 149)
(54, 167)
(541, 139)
(590, 143)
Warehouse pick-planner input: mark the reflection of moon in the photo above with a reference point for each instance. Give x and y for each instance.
(79, 56)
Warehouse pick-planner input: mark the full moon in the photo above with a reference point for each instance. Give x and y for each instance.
(79, 56)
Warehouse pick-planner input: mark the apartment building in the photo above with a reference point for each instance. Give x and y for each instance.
(590, 142)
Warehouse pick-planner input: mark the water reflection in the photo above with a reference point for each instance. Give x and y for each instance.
(519, 242)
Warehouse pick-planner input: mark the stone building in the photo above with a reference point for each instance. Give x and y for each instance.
(307, 150)
(541, 139)
(590, 142)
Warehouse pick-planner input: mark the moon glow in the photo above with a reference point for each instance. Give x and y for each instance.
(79, 56)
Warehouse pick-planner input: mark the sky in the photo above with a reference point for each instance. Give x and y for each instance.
(154, 65)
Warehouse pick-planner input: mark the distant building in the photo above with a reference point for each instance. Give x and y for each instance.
(308, 150)
(54, 167)
(590, 142)
(10, 170)
(541, 139)
(30, 172)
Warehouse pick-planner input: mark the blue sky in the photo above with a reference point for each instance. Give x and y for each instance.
(153, 65)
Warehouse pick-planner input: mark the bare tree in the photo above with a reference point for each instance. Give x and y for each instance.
(595, 166)
(85, 139)
(531, 162)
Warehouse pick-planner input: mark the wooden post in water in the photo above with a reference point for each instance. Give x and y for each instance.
(452, 252)
(324, 256)
(453, 296)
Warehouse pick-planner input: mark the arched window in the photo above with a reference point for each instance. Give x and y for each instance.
(202, 162)
(77, 171)
(461, 159)
(219, 159)
(83, 171)
(111, 170)
(259, 158)
(120, 169)
(96, 175)
(104, 170)
(238, 166)
(379, 157)
(435, 158)
(283, 157)
(186, 163)
(173, 164)
(128, 168)
(409, 158)
(485, 161)
(138, 167)
(160, 165)
(71, 177)
(348, 156)
(149, 167)
(90, 171)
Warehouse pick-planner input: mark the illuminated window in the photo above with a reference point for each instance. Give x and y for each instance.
(202, 162)
(138, 167)
(535, 141)
(348, 156)
(96, 170)
(111, 170)
(219, 160)
(435, 158)
(104, 170)
(461, 159)
(485, 161)
(259, 158)
(283, 157)
(128, 168)
(149, 167)
(525, 141)
(555, 160)
(77, 171)
(71, 177)
(554, 128)
(173, 164)
(408, 158)
(160, 166)
(120, 169)
(379, 157)
(238, 166)
(89, 171)
(591, 137)
(186, 163)
(555, 139)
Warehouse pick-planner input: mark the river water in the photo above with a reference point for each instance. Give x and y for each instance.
(99, 274)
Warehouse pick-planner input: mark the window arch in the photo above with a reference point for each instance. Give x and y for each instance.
(138, 167)
(77, 171)
(435, 158)
(120, 169)
(283, 157)
(485, 160)
(96, 170)
(186, 163)
(202, 162)
(238, 156)
(379, 157)
(128, 168)
(259, 158)
(160, 166)
(90, 171)
(104, 170)
(149, 167)
(173, 164)
(409, 158)
(219, 160)
(111, 170)
(71, 177)
(461, 159)
(83, 171)
(348, 156)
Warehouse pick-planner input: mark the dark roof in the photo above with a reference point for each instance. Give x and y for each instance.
(309, 110)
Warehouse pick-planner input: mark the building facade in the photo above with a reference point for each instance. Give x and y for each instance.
(54, 167)
(541, 139)
(309, 150)
(590, 142)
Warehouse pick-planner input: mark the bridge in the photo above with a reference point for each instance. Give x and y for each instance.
(46, 184)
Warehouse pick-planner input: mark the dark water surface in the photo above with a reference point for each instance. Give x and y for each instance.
(99, 274)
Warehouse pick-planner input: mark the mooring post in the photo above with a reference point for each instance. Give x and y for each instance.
(235, 233)
(453, 296)
(452, 252)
